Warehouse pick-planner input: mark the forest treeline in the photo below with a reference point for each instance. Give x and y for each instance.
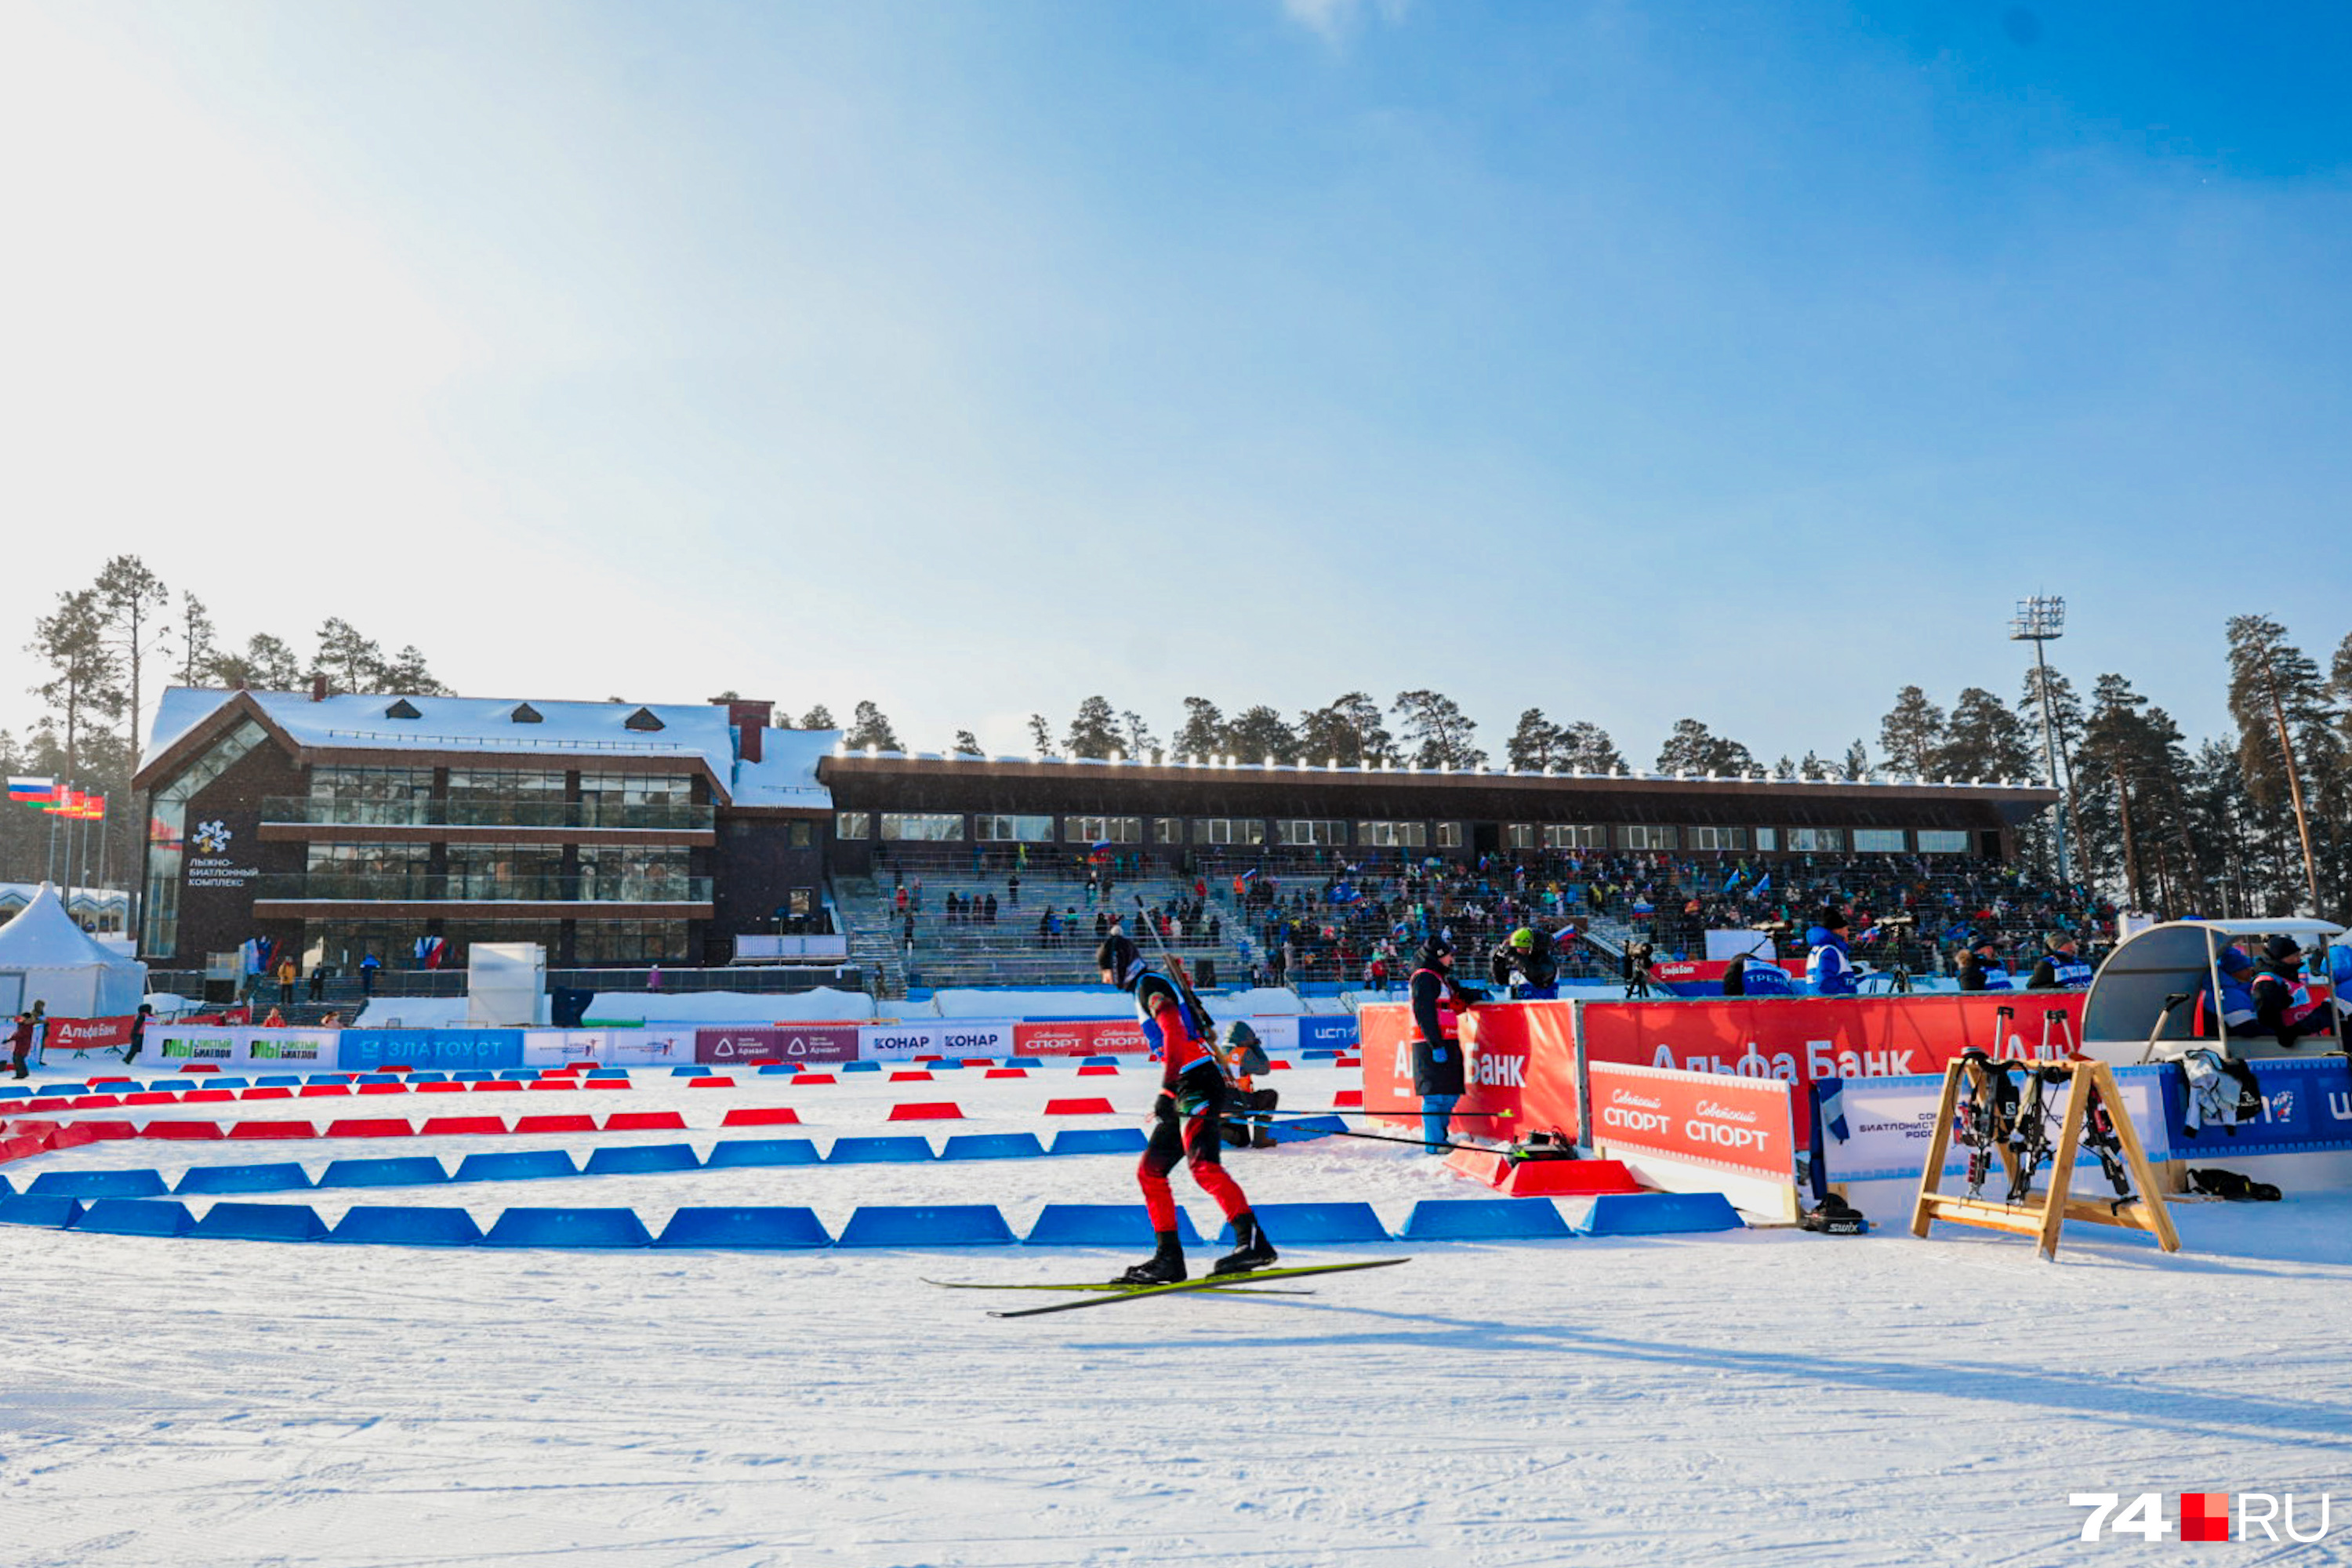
(2256, 821)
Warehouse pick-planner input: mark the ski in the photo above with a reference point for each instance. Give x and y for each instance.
(1101, 1285)
(1213, 1282)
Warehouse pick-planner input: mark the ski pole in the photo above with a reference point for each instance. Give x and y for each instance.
(1257, 1119)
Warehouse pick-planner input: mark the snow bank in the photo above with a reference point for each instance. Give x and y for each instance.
(823, 1003)
(1098, 1002)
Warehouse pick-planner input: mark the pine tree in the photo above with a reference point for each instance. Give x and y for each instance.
(2276, 698)
(1259, 734)
(1590, 749)
(818, 718)
(1983, 740)
(1439, 732)
(1094, 733)
(1537, 744)
(1693, 748)
(869, 727)
(1348, 731)
(966, 745)
(1142, 745)
(1855, 767)
(1202, 737)
(195, 641)
(1911, 733)
(1041, 735)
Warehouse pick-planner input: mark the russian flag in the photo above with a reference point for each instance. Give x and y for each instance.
(33, 792)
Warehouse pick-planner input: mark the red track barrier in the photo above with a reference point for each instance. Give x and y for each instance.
(369, 1126)
(925, 1111)
(762, 1116)
(435, 1126)
(272, 1129)
(1079, 1108)
(555, 1124)
(652, 1121)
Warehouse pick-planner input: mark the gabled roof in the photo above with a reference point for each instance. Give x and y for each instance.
(43, 936)
(617, 733)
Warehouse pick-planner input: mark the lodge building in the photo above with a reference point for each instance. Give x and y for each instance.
(622, 834)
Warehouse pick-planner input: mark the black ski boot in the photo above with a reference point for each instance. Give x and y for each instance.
(1166, 1266)
(1251, 1248)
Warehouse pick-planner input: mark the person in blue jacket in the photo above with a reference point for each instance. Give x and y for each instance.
(1829, 968)
(2236, 1002)
(2340, 981)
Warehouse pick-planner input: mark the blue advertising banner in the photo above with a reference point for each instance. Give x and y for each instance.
(476, 1049)
(1326, 1031)
(2306, 1108)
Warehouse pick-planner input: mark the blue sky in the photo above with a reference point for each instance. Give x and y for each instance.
(1742, 362)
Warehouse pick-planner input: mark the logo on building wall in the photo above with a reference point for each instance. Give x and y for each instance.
(212, 837)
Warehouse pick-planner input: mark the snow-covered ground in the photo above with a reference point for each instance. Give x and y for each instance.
(1756, 1396)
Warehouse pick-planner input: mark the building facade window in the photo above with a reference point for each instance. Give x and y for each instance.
(1319, 832)
(1718, 838)
(1102, 830)
(1449, 836)
(1879, 841)
(1520, 836)
(1817, 840)
(1645, 835)
(631, 873)
(804, 834)
(1228, 830)
(390, 798)
(1167, 830)
(1012, 829)
(167, 829)
(629, 942)
(1572, 836)
(1768, 839)
(853, 826)
(1943, 841)
(1393, 835)
(924, 827)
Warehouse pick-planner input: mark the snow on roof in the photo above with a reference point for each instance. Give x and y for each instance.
(43, 936)
(688, 731)
(786, 772)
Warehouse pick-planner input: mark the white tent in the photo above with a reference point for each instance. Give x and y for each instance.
(45, 957)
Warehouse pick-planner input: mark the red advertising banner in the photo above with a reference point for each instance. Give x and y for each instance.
(1520, 1071)
(1799, 1039)
(1743, 1125)
(86, 1035)
(792, 1043)
(1079, 1038)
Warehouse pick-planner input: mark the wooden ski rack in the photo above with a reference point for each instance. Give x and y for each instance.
(2039, 1213)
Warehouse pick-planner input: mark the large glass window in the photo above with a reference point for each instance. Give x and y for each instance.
(1102, 830)
(1393, 835)
(367, 871)
(1768, 839)
(849, 825)
(926, 826)
(504, 871)
(1943, 841)
(1315, 830)
(1572, 836)
(389, 797)
(1167, 830)
(625, 873)
(1879, 841)
(1228, 830)
(1518, 835)
(1449, 836)
(1645, 835)
(628, 942)
(506, 798)
(1012, 829)
(1719, 839)
(167, 827)
(1817, 840)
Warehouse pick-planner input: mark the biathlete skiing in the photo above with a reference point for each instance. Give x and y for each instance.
(1184, 1120)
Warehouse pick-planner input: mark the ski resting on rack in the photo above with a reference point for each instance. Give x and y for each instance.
(1214, 1282)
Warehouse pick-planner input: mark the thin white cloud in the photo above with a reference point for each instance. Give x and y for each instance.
(1334, 19)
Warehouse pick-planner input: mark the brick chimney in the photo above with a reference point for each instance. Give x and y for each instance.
(750, 720)
(319, 688)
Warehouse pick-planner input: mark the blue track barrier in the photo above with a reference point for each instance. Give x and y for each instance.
(521, 1165)
(99, 1184)
(136, 1216)
(1099, 1140)
(1102, 1225)
(1292, 1225)
(879, 1151)
(1657, 1214)
(1484, 1219)
(1302, 1129)
(368, 1223)
(737, 1154)
(630, 1158)
(568, 1228)
(926, 1224)
(406, 1171)
(744, 1228)
(261, 1222)
(50, 1214)
(992, 1146)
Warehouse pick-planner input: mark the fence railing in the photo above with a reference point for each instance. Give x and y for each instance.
(402, 887)
(461, 812)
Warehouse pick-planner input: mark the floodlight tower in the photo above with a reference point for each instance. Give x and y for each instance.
(2041, 619)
